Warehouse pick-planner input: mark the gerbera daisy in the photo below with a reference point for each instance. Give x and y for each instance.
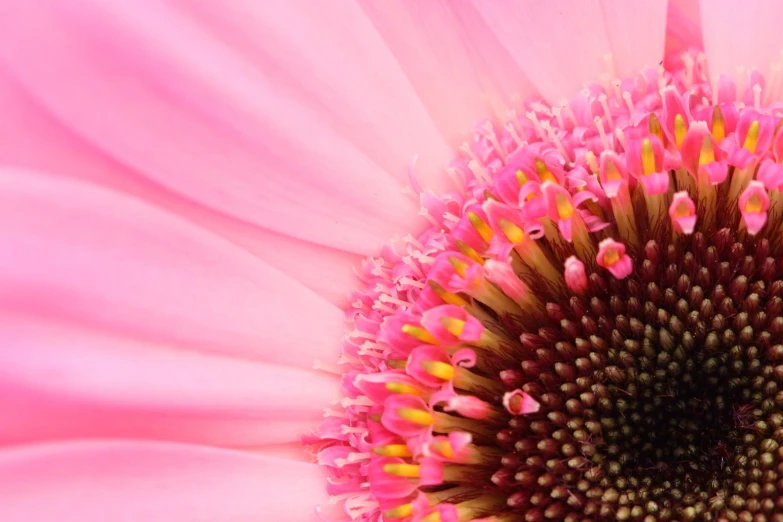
(584, 323)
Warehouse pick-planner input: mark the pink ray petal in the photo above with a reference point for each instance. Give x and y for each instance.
(90, 255)
(164, 96)
(759, 19)
(95, 481)
(683, 30)
(542, 36)
(65, 380)
(636, 37)
(29, 137)
(454, 62)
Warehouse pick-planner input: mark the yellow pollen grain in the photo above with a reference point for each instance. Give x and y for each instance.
(611, 256)
(393, 450)
(718, 124)
(648, 158)
(752, 138)
(454, 326)
(682, 210)
(680, 129)
(522, 178)
(439, 369)
(754, 204)
(591, 162)
(654, 125)
(401, 511)
(543, 172)
(419, 333)
(402, 388)
(402, 470)
(443, 448)
(512, 232)
(467, 250)
(481, 227)
(707, 152)
(459, 266)
(416, 416)
(448, 297)
(564, 207)
(612, 173)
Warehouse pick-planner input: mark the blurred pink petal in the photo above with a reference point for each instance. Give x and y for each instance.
(760, 20)
(128, 481)
(459, 69)
(30, 137)
(683, 30)
(86, 254)
(543, 36)
(162, 94)
(66, 380)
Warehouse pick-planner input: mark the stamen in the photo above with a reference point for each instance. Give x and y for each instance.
(393, 450)
(402, 470)
(416, 416)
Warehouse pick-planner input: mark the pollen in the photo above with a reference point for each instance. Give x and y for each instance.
(648, 158)
(439, 369)
(416, 416)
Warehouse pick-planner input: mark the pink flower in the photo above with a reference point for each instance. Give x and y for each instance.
(191, 326)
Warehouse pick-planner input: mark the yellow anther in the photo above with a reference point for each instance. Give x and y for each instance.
(482, 228)
(402, 388)
(448, 297)
(469, 251)
(443, 448)
(401, 511)
(543, 172)
(392, 450)
(564, 207)
(439, 369)
(648, 158)
(682, 210)
(680, 129)
(454, 326)
(419, 333)
(460, 266)
(402, 470)
(718, 124)
(432, 517)
(512, 232)
(591, 162)
(752, 138)
(611, 256)
(707, 152)
(654, 125)
(522, 178)
(416, 416)
(754, 204)
(612, 173)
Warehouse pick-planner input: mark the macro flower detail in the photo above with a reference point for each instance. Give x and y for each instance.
(610, 282)
(564, 217)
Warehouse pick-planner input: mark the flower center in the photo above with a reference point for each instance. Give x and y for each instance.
(591, 328)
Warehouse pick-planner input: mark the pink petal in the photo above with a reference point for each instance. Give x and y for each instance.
(65, 380)
(683, 30)
(459, 69)
(759, 19)
(156, 482)
(85, 254)
(166, 97)
(636, 32)
(29, 137)
(543, 38)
